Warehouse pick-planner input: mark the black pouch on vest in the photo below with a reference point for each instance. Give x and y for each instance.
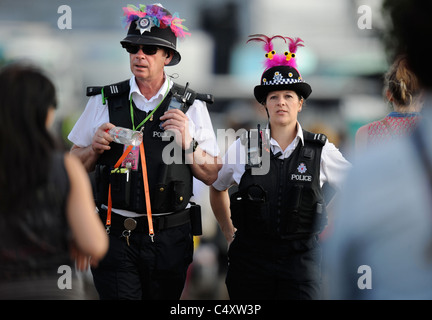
(179, 195)
(137, 196)
(120, 179)
(171, 193)
(161, 201)
(321, 220)
(236, 205)
(250, 210)
(170, 197)
(195, 216)
(102, 176)
(127, 191)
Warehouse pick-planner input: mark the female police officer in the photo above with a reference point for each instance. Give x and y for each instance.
(276, 216)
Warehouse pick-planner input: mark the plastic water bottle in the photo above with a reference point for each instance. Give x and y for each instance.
(126, 136)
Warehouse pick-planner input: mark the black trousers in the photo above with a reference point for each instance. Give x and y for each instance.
(263, 269)
(144, 269)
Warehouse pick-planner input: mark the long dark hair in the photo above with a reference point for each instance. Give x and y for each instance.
(26, 145)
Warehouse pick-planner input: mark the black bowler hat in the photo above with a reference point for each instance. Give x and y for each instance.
(281, 78)
(281, 69)
(154, 25)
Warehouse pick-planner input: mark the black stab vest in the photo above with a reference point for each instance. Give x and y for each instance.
(287, 202)
(170, 184)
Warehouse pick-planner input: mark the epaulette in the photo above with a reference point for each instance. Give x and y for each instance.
(206, 97)
(109, 90)
(315, 140)
(190, 95)
(319, 138)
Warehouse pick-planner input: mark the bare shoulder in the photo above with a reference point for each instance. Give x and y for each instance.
(361, 138)
(362, 131)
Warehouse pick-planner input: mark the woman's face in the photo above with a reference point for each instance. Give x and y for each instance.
(283, 107)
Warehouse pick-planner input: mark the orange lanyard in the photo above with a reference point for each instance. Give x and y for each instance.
(146, 190)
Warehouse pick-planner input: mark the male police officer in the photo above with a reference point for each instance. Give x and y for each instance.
(151, 247)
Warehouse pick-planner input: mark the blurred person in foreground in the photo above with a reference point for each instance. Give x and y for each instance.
(47, 213)
(381, 245)
(272, 223)
(141, 193)
(402, 89)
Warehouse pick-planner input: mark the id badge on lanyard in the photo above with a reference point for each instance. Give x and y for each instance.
(132, 158)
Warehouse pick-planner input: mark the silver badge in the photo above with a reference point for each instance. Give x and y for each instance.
(144, 24)
(302, 168)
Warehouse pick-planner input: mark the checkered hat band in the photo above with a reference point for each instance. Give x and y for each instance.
(282, 81)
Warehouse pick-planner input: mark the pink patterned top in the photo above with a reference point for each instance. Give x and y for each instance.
(394, 125)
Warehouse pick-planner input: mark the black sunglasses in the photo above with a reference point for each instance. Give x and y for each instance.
(147, 50)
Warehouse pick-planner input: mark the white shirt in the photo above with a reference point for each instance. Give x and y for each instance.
(333, 165)
(96, 114)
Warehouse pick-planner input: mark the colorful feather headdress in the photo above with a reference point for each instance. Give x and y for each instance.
(281, 71)
(274, 59)
(154, 15)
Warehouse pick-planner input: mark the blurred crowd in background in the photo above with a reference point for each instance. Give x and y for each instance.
(344, 61)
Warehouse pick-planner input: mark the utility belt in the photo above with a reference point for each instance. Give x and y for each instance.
(190, 215)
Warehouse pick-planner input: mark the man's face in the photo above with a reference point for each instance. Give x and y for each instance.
(148, 62)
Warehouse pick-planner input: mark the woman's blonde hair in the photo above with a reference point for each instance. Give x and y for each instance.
(401, 82)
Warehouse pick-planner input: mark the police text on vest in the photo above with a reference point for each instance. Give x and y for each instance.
(300, 177)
